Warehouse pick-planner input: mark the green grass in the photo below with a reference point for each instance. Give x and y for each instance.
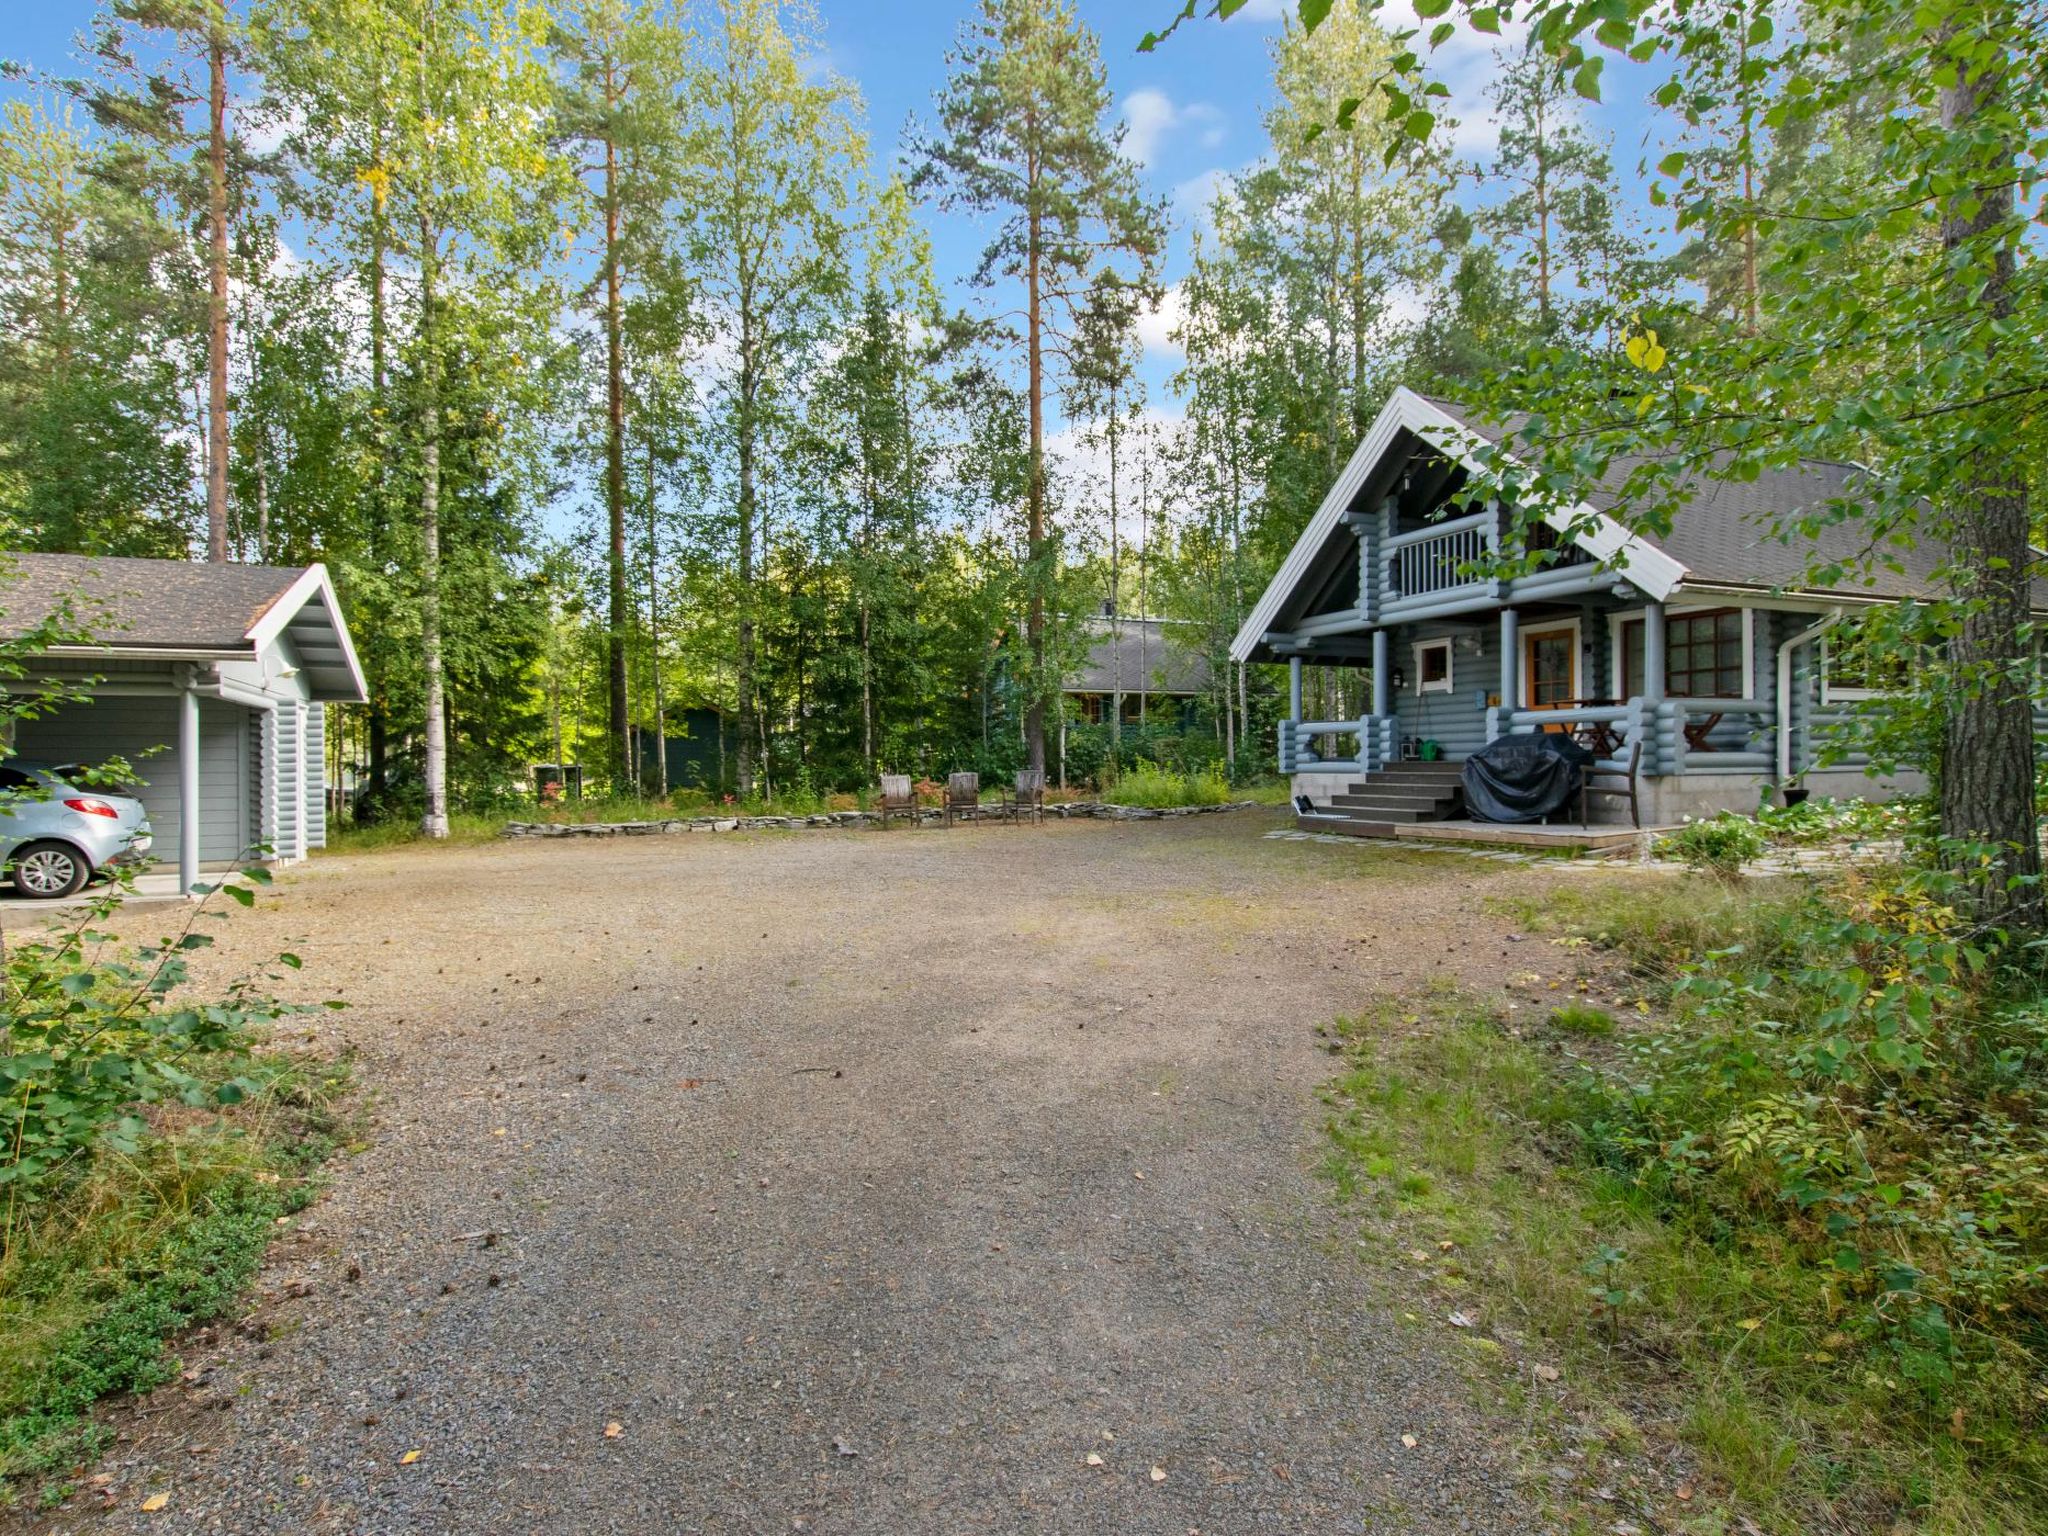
(143, 1248)
(1156, 788)
(1448, 1126)
(465, 828)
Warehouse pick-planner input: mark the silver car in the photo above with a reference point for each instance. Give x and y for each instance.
(55, 836)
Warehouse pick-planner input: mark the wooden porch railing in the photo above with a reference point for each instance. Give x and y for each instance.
(1436, 559)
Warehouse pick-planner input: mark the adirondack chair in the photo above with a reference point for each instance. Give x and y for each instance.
(963, 797)
(1028, 798)
(898, 799)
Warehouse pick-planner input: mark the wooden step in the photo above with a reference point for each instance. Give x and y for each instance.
(1345, 825)
(1394, 800)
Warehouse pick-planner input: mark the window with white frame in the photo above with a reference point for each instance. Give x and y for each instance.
(1707, 654)
(1433, 666)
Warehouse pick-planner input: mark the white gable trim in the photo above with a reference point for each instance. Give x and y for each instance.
(313, 582)
(1648, 567)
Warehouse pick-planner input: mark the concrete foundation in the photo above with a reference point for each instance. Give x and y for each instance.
(1668, 800)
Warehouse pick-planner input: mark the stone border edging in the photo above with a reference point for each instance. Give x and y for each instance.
(1083, 810)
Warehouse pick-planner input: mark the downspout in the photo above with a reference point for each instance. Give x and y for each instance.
(1804, 637)
(188, 780)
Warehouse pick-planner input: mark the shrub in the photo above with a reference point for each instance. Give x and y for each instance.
(1866, 1088)
(1720, 845)
(91, 1033)
(1827, 821)
(1156, 788)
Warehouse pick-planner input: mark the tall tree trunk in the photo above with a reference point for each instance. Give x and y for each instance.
(1359, 420)
(378, 754)
(1034, 625)
(654, 630)
(870, 493)
(1543, 208)
(748, 725)
(1986, 779)
(1116, 606)
(1144, 564)
(217, 297)
(615, 458)
(434, 818)
(262, 504)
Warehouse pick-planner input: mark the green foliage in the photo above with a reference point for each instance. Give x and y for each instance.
(1720, 845)
(1580, 1019)
(1869, 1077)
(1149, 785)
(140, 1249)
(1842, 821)
(1725, 1324)
(91, 1034)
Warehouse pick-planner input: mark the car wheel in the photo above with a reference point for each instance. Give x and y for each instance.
(46, 871)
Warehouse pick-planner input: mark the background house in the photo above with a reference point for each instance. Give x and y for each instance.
(1136, 667)
(211, 680)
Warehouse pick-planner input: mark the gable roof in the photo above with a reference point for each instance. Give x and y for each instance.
(1725, 533)
(1648, 567)
(1723, 537)
(184, 610)
(1138, 656)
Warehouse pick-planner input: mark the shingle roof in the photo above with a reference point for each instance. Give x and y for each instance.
(1725, 533)
(172, 604)
(1139, 655)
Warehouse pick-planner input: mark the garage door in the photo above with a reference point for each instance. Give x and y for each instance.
(144, 730)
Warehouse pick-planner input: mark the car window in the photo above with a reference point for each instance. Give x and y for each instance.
(15, 779)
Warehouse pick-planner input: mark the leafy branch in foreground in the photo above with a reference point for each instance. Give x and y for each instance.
(93, 1033)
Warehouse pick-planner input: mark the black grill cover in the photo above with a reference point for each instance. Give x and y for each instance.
(1525, 778)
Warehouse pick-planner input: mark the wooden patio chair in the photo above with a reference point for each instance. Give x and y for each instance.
(1615, 783)
(1028, 798)
(963, 797)
(898, 798)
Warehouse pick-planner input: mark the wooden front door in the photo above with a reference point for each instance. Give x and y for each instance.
(1550, 668)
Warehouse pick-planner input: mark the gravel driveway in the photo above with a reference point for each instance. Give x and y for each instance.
(865, 1182)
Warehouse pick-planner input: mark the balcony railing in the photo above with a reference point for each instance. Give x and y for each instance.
(1437, 559)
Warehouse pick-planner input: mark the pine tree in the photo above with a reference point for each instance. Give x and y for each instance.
(1022, 135)
(621, 100)
(152, 105)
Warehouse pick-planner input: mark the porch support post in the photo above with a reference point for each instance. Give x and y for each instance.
(188, 789)
(1382, 676)
(1294, 689)
(1510, 645)
(1653, 695)
(1653, 650)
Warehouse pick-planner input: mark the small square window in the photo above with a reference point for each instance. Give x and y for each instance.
(1433, 666)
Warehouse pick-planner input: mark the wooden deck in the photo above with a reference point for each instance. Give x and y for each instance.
(1597, 839)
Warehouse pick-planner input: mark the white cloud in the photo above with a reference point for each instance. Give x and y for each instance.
(1194, 198)
(1081, 460)
(1156, 325)
(1150, 115)
(263, 130)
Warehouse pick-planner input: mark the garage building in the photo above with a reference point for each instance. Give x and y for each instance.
(212, 681)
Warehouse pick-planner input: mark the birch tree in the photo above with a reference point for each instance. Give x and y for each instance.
(464, 185)
(771, 157)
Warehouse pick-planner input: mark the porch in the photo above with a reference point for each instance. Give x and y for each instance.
(1543, 672)
(1563, 839)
